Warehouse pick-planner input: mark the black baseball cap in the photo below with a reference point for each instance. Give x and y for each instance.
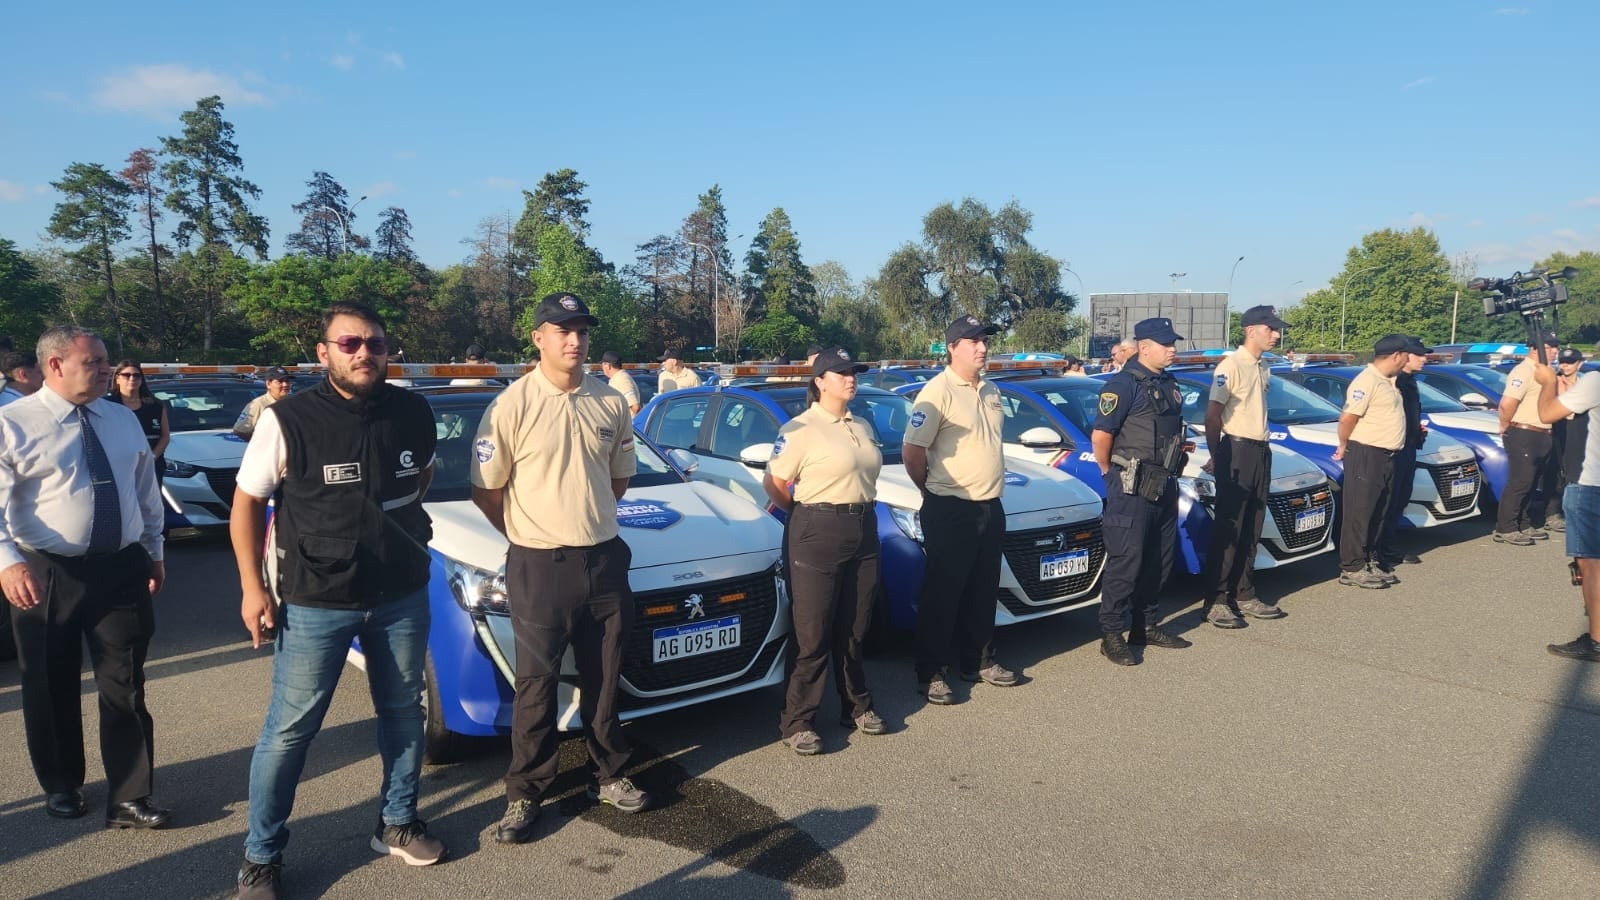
(559, 309)
(836, 359)
(1262, 315)
(276, 373)
(1390, 344)
(1570, 355)
(474, 351)
(813, 350)
(1550, 339)
(1415, 345)
(967, 327)
(1159, 330)
(670, 353)
(610, 357)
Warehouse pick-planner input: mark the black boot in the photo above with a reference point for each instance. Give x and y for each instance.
(1114, 648)
(1155, 637)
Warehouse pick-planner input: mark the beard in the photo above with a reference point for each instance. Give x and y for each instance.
(345, 380)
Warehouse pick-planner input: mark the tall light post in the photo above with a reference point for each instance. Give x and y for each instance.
(716, 295)
(344, 225)
(1345, 298)
(1084, 349)
(1175, 276)
(1230, 277)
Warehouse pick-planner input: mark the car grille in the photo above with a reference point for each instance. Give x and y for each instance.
(763, 664)
(1286, 506)
(1442, 476)
(755, 611)
(1023, 550)
(221, 482)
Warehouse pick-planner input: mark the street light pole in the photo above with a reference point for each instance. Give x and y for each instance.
(1084, 349)
(1346, 299)
(344, 226)
(716, 296)
(1230, 277)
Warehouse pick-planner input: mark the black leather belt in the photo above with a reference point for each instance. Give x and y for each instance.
(1235, 437)
(840, 509)
(1523, 427)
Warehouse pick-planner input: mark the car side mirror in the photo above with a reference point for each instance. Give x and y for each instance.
(756, 456)
(1040, 438)
(1474, 400)
(684, 460)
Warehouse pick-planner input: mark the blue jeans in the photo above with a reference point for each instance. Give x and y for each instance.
(310, 655)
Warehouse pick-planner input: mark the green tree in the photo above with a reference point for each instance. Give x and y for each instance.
(93, 214)
(1580, 316)
(394, 237)
(565, 265)
(27, 299)
(1041, 329)
(778, 333)
(283, 300)
(327, 220)
(1393, 282)
(211, 197)
(777, 281)
(144, 179)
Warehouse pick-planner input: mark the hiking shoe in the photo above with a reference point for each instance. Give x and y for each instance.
(937, 691)
(1537, 534)
(1223, 617)
(1584, 648)
(1256, 609)
(1555, 523)
(1514, 538)
(866, 723)
(260, 881)
(1155, 637)
(1386, 574)
(805, 743)
(621, 794)
(996, 674)
(1361, 578)
(1114, 648)
(516, 826)
(411, 842)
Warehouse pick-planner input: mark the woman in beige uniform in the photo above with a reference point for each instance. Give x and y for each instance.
(831, 548)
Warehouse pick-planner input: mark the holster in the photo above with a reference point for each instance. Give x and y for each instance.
(1152, 482)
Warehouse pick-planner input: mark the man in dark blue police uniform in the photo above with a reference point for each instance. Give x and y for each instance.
(1139, 445)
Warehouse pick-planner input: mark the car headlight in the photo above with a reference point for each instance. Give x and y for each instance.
(478, 591)
(176, 469)
(1202, 488)
(909, 522)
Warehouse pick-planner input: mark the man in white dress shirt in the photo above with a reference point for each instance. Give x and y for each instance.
(80, 558)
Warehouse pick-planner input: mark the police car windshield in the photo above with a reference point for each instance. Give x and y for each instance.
(1493, 379)
(885, 414)
(1437, 401)
(1287, 402)
(455, 421)
(200, 406)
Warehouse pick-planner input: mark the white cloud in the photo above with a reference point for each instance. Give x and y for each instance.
(163, 89)
(395, 59)
(1419, 82)
(1512, 11)
(379, 189)
(1588, 201)
(502, 184)
(1529, 250)
(1419, 220)
(41, 189)
(343, 62)
(11, 192)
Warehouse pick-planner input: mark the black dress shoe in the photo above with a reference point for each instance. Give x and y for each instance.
(140, 813)
(1154, 637)
(65, 805)
(1114, 648)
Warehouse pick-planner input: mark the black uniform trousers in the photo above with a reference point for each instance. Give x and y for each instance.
(1528, 454)
(1243, 470)
(833, 565)
(1405, 471)
(1368, 481)
(1141, 538)
(578, 596)
(961, 584)
(104, 600)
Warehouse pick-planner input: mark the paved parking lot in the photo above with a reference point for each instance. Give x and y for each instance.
(1415, 742)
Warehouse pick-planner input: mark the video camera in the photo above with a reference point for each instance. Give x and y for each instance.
(1529, 295)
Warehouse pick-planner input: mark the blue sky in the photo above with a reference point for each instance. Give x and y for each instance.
(1146, 137)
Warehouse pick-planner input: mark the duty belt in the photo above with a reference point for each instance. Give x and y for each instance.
(842, 509)
(1235, 437)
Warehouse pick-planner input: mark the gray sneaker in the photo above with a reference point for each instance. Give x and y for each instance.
(1363, 579)
(868, 722)
(1223, 617)
(937, 690)
(805, 743)
(1386, 575)
(411, 842)
(1256, 609)
(997, 675)
(1535, 533)
(1514, 538)
(621, 794)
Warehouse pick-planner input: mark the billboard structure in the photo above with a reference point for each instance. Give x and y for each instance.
(1202, 318)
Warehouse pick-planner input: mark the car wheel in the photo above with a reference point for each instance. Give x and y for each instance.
(440, 745)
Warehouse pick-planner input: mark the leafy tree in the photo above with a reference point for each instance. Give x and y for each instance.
(1394, 282)
(778, 333)
(142, 177)
(657, 271)
(27, 298)
(498, 278)
(857, 323)
(1041, 329)
(566, 265)
(833, 283)
(283, 300)
(327, 220)
(777, 281)
(394, 237)
(1580, 316)
(94, 215)
(211, 197)
(557, 200)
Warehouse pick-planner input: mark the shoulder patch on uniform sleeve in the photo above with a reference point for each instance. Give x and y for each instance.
(1108, 402)
(1516, 382)
(484, 449)
(917, 418)
(1358, 395)
(1222, 380)
(778, 445)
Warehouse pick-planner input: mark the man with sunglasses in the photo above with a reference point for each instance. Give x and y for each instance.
(553, 455)
(348, 462)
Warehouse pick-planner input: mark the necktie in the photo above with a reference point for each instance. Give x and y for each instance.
(105, 535)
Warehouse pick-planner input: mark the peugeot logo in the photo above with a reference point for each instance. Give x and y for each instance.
(696, 606)
(1061, 540)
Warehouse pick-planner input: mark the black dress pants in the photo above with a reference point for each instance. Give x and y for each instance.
(1243, 469)
(833, 569)
(1405, 471)
(104, 601)
(1528, 453)
(578, 596)
(1368, 480)
(1141, 538)
(961, 584)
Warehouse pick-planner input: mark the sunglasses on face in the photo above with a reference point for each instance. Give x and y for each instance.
(137, 376)
(349, 344)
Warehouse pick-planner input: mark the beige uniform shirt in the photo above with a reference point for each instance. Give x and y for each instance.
(1377, 401)
(246, 423)
(959, 422)
(623, 384)
(1240, 385)
(685, 377)
(1521, 387)
(831, 460)
(555, 453)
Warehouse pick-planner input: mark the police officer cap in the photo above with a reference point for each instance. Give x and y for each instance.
(1550, 339)
(967, 327)
(276, 373)
(1415, 345)
(561, 308)
(610, 357)
(1571, 355)
(1158, 330)
(1262, 315)
(836, 359)
(1390, 344)
(670, 353)
(474, 351)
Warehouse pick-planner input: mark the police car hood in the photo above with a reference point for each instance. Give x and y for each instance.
(1438, 448)
(1287, 465)
(215, 449)
(1471, 419)
(1030, 487)
(667, 524)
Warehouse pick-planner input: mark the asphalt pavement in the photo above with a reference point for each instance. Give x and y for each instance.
(1414, 742)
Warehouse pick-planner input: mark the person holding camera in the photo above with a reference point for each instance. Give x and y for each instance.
(1580, 501)
(1372, 430)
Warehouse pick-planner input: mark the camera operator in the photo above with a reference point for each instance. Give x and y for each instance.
(1580, 502)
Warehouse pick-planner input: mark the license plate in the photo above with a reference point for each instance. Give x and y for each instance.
(682, 641)
(1310, 519)
(1463, 487)
(1062, 565)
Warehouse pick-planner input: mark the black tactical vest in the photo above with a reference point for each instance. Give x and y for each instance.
(1155, 419)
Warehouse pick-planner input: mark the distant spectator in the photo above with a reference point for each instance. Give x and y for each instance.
(620, 380)
(128, 388)
(22, 375)
(1120, 354)
(675, 376)
(475, 357)
(278, 385)
(1074, 365)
